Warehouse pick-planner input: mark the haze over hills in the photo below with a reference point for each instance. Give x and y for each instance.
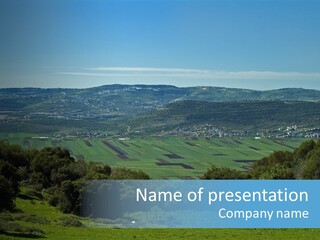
(53, 110)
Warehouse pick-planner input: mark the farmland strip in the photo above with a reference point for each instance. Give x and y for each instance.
(121, 154)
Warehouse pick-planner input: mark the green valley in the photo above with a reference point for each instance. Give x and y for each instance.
(163, 157)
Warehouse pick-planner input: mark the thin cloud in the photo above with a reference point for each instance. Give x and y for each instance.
(193, 73)
(145, 69)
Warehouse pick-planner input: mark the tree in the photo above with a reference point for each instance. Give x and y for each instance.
(224, 173)
(10, 172)
(277, 165)
(312, 167)
(7, 194)
(127, 174)
(47, 162)
(277, 171)
(69, 197)
(302, 151)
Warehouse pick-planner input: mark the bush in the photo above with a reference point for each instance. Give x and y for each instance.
(32, 218)
(8, 226)
(70, 222)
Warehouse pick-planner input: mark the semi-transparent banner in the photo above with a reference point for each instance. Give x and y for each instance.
(204, 203)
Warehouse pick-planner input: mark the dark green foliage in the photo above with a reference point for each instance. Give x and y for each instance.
(54, 171)
(11, 173)
(7, 194)
(302, 151)
(72, 171)
(266, 168)
(126, 174)
(46, 163)
(68, 197)
(277, 171)
(13, 154)
(224, 173)
(312, 167)
(30, 192)
(98, 172)
(304, 163)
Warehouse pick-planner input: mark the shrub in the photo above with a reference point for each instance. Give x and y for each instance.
(70, 222)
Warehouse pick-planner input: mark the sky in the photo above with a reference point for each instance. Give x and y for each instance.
(261, 44)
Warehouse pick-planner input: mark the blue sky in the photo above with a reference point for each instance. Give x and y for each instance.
(232, 43)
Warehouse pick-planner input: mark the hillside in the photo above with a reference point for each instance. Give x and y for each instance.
(245, 117)
(36, 214)
(54, 110)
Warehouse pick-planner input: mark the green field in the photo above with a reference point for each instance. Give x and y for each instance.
(54, 230)
(164, 157)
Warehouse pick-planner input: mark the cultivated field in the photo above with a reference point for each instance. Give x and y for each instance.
(163, 157)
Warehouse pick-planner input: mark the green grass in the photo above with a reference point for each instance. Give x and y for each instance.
(144, 153)
(54, 229)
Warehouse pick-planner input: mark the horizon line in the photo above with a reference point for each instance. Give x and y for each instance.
(168, 85)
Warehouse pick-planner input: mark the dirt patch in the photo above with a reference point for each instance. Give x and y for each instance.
(88, 143)
(236, 141)
(254, 148)
(170, 154)
(186, 166)
(124, 144)
(121, 154)
(219, 154)
(162, 162)
(191, 144)
(173, 156)
(283, 144)
(135, 145)
(245, 161)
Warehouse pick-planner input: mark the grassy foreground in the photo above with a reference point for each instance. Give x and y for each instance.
(55, 230)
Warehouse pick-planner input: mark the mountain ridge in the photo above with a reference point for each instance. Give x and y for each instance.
(54, 109)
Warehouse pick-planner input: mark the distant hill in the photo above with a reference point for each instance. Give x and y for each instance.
(219, 94)
(51, 110)
(241, 115)
(125, 100)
